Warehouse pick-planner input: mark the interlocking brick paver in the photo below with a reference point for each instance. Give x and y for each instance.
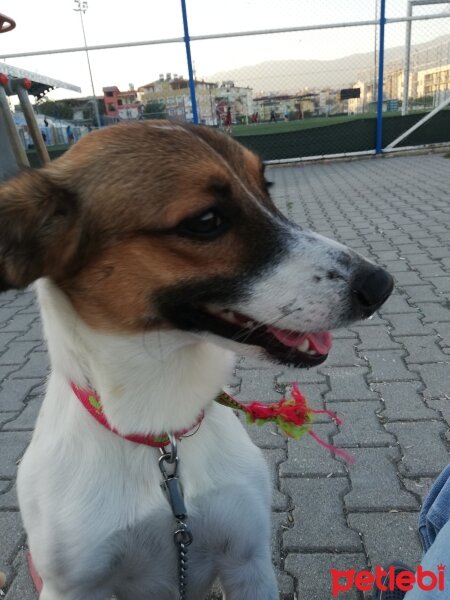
(318, 526)
(374, 471)
(402, 401)
(408, 324)
(422, 349)
(361, 425)
(388, 377)
(435, 312)
(435, 377)
(307, 458)
(388, 365)
(348, 383)
(374, 338)
(424, 452)
(313, 573)
(386, 536)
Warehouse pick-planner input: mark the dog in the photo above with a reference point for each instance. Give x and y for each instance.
(157, 255)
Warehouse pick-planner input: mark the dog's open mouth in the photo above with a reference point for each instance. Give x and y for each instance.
(300, 349)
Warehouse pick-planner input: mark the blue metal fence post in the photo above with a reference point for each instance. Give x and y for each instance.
(379, 135)
(187, 42)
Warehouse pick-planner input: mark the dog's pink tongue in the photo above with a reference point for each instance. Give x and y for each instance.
(320, 342)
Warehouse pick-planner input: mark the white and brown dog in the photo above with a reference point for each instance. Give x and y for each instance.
(158, 253)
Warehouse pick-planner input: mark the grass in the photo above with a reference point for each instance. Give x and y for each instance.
(309, 123)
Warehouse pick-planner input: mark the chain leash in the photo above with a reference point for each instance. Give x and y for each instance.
(171, 486)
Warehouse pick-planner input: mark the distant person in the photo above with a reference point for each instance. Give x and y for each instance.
(70, 136)
(45, 122)
(227, 121)
(272, 117)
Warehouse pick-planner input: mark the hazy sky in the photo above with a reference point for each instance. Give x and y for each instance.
(51, 24)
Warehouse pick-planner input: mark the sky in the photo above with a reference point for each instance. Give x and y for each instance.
(53, 24)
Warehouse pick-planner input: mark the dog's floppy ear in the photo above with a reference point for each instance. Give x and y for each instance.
(38, 229)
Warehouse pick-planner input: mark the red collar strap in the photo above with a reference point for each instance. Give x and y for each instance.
(292, 415)
(91, 402)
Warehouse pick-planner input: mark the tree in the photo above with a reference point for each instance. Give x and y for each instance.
(155, 110)
(59, 109)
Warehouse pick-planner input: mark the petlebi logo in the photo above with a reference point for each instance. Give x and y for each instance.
(384, 580)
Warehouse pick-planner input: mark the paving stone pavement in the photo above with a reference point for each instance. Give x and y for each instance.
(388, 377)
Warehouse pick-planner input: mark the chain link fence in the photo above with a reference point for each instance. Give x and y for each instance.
(289, 80)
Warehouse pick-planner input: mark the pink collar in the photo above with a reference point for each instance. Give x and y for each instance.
(91, 402)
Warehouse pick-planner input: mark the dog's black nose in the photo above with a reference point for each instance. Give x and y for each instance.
(370, 289)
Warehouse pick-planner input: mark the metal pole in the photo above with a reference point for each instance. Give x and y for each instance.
(220, 36)
(426, 118)
(407, 61)
(189, 62)
(82, 7)
(36, 136)
(16, 145)
(379, 136)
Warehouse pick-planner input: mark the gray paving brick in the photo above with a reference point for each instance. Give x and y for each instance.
(408, 324)
(12, 445)
(402, 401)
(307, 458)
(420, 486)
(373, 338)
(344, 353)
(8, 500)
(258, 385)
(442, 405)
(17, 353)
(14, 391)
(361, 425)
(313, 573)
(348, 383)
(274, 458)
(17, 322)
(402, 543)
(424, 452)
(422, 293)
(5, 339)
(319, 526)
(27, 418)
(381, 490)
(22, 586)
(397, 304)
(442, 284)
(265, 436)
(408, 278)
(435, 378)
(12, 534)
(36, 365)
(289, 376)
(388, 365)
(422, 349)
(434, 312)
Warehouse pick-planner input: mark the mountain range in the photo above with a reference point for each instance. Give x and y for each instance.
(294, 75)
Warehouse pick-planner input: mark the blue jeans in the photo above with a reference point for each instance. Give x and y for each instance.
(434, 530)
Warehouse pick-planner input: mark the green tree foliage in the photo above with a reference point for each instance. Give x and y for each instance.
(155, 110)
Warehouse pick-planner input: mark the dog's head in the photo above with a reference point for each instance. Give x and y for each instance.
(159, 225)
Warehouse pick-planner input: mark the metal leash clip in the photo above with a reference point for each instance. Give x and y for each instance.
(171, 486)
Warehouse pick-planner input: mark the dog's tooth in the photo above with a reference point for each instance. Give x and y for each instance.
(304, 346)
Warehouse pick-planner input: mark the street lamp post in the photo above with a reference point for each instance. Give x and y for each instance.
(82, 7)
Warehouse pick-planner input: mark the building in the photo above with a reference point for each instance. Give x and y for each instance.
(123, 106)
(296, 105)
(434, 83)
(239, 99)
(173, 93)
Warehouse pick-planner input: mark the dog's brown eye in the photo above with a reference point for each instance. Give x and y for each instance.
(207, 225)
